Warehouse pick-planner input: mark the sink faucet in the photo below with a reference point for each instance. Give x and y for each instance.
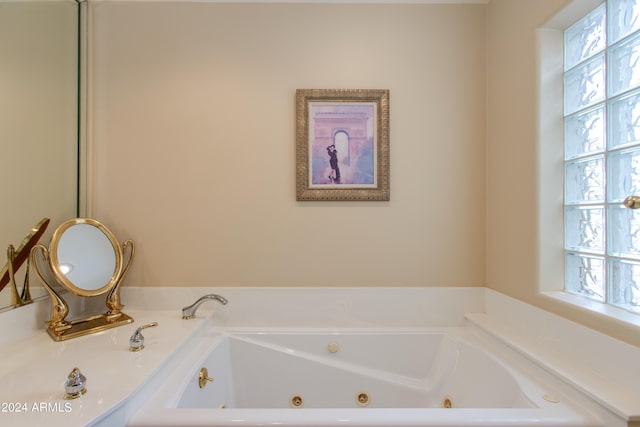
(136, 342)
(189, 312)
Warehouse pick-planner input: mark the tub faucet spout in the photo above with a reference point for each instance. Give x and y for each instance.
(189, 312)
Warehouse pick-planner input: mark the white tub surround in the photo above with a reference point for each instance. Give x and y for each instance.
(604, 370)
(596, 373)
(321, 307)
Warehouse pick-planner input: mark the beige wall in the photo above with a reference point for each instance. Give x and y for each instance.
(192, 127)
(512, 143)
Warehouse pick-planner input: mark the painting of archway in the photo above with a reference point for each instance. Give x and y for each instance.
(342, 144)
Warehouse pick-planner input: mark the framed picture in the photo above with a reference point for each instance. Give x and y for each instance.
(342, 144)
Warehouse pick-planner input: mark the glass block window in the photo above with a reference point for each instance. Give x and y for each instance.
(602, 154)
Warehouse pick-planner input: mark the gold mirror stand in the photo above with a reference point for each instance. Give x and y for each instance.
(113, 297)
(60, 329)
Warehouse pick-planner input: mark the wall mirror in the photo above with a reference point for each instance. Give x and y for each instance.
(38, 120)
(86, 260)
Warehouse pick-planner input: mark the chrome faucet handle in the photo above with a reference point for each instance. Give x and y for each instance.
(136, 342)
(75, 384)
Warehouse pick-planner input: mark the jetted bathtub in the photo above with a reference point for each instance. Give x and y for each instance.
(444, 377)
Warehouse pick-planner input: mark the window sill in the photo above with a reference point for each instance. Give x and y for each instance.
(614, 313)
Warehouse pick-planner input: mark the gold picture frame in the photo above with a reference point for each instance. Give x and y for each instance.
(342, 144)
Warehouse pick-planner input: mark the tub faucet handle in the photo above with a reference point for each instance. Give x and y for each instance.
(136, 342)
(75, 384)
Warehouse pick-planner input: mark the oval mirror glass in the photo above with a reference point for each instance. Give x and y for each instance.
(85, 257)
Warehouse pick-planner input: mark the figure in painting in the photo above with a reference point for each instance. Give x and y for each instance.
(334, 175)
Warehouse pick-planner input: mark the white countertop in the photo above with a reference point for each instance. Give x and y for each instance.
(34, 370)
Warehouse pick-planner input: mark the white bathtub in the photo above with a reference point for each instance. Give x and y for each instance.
(444, 377)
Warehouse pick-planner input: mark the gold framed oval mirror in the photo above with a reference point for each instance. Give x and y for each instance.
(85, 257)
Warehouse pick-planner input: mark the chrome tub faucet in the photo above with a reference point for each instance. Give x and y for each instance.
(189, 312)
